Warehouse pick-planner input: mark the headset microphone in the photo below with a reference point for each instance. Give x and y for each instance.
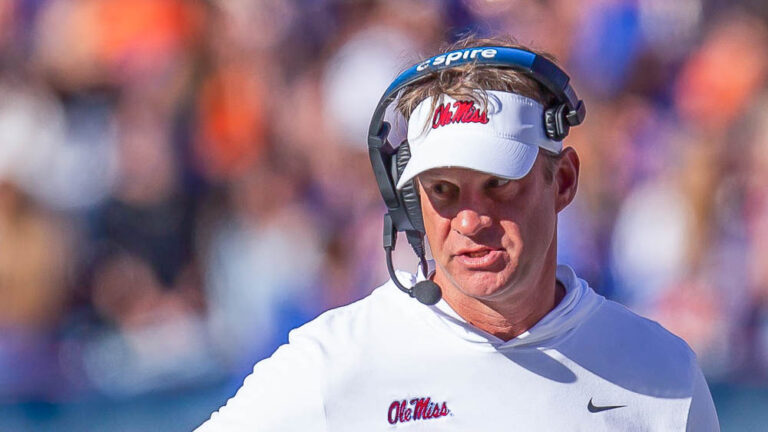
(426, 291)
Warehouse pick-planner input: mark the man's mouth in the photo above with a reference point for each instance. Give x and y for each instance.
(479, 258)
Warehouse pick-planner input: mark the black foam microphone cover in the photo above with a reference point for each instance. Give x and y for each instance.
(427, 292)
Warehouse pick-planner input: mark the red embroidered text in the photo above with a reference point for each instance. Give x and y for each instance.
(416, 409)
(458, 112)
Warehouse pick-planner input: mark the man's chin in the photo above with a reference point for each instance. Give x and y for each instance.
(487, 283)
(484, 285)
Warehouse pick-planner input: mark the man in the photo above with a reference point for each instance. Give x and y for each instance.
(502, 337)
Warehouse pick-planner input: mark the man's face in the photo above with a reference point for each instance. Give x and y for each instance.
(487, 234)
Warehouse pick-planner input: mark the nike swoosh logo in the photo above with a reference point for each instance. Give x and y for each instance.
(596, 409)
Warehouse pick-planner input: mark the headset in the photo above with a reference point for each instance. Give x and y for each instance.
(388, 162)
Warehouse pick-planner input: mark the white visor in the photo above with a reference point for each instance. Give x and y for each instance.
(502, 138)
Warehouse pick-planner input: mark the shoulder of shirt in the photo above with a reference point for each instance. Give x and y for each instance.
(288, 390)
(647, 331)
(634, 352)
(359, 320)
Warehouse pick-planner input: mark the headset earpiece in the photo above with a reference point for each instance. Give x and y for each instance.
(555, 124)
(408, 194)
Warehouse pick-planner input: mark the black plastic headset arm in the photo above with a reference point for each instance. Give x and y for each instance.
(378, 147)
(380, 152)
(390, 234)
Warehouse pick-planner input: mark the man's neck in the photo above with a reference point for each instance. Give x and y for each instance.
(512, 316)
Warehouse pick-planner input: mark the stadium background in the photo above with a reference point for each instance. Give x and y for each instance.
(182, 182)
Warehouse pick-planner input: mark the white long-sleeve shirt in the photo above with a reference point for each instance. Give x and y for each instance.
(388, 362)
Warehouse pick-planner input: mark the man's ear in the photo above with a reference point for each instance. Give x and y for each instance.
(566, 178)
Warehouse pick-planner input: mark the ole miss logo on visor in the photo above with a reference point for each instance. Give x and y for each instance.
(458, 112)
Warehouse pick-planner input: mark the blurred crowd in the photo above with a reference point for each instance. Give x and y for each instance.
(183, 181)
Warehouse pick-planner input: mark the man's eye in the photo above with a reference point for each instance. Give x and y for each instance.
(496, 182)
(442, 189)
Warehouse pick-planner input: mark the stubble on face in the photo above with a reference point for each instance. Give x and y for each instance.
(520, 219)
(506, 221)
(489, 283)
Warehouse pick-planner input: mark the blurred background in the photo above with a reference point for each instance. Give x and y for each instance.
(182, 182)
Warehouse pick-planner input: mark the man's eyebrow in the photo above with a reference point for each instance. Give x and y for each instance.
(430, 177)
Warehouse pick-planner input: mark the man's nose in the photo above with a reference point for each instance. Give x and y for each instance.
(469, 222)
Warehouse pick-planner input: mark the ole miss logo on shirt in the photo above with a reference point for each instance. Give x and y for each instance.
(416, 409)
(458, 112)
